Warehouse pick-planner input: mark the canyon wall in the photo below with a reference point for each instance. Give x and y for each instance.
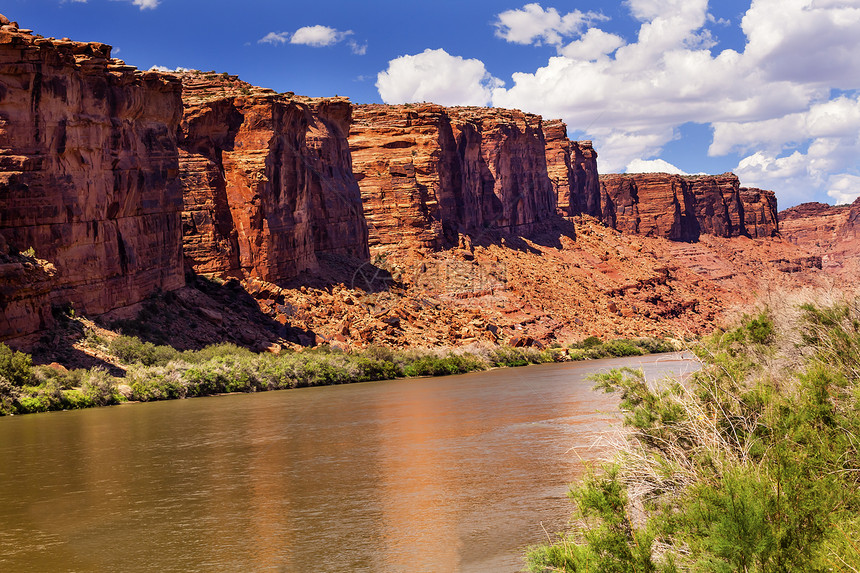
(828, 231)
(88, 176)
(267, 180)
(428, 173)
(682, 207)
(572, 169)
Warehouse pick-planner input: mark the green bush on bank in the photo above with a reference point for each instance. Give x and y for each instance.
(16, 368)
(158, 372)
(592, 348)
(752, 465)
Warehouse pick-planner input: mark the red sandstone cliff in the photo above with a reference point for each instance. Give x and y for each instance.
(428, 172)
(88, 174)
(267, 180)
(683, 207)
(572, 168)
(830, 232)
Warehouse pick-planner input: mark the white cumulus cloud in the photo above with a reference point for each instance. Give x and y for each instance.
(594, 44)
(844, 188)
(653, 166)
(436, 76)
(357, 49)
(532, 24)
(165, 69)
(800, 153)
(318, 36)
(776, 101)
(146, 4)
(275, 38)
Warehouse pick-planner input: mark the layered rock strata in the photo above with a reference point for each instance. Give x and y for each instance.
(682, 208)
(428, 173)
(572, 169)
(88, 172)
(827, 231)
(267, 179)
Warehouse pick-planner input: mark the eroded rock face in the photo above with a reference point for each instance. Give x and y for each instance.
(828, 231)
(683, 207)
(572, 169)
(649, 204)
(760, 213)
(267, 180)
(25, 295)
(88, 172)
(428, 173)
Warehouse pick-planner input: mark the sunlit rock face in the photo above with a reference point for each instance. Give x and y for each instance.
(828, 231)
(682, 207)
(88, 174)
(428, 173)
(572, 169)
(267, 180)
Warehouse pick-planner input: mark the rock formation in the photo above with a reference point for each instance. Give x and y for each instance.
(267, 180)
(572, 169)
(827, 231)
(681, 207)
(760, 213)
(88, 174)
(428, 173)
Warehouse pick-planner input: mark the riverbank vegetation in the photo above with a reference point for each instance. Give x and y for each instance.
(157, 372)
(752, 465)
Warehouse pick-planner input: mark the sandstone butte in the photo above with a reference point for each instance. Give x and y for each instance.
(484, 224)
(88, 178)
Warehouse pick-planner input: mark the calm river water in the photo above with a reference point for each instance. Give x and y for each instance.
(445, 474)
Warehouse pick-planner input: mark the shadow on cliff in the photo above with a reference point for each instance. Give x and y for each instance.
(336, 269)
(57, 345)
(204, 313)
(544, 234)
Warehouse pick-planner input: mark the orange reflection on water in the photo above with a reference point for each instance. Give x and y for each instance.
(417, 487)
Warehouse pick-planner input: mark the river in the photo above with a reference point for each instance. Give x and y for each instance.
(438, 474)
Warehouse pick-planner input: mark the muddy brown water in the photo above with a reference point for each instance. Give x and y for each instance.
(444, 474)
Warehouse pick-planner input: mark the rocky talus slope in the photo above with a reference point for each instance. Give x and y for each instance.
(574, 279)
(267, 180)
(88, 178)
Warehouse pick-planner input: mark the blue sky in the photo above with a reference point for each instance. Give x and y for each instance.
(769, 89)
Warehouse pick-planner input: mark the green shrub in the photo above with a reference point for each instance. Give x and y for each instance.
(131, 349)
(148, 386)
(33, 404)
(15, 367)
(654, 345)
(621, 347)
(752, 465)
(429, 365)
(215, 351)
(99, 387)
(74, 399)
(376, 369)
(587, 343)
(8, 397)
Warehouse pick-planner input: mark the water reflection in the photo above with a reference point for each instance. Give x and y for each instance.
(451, 474)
